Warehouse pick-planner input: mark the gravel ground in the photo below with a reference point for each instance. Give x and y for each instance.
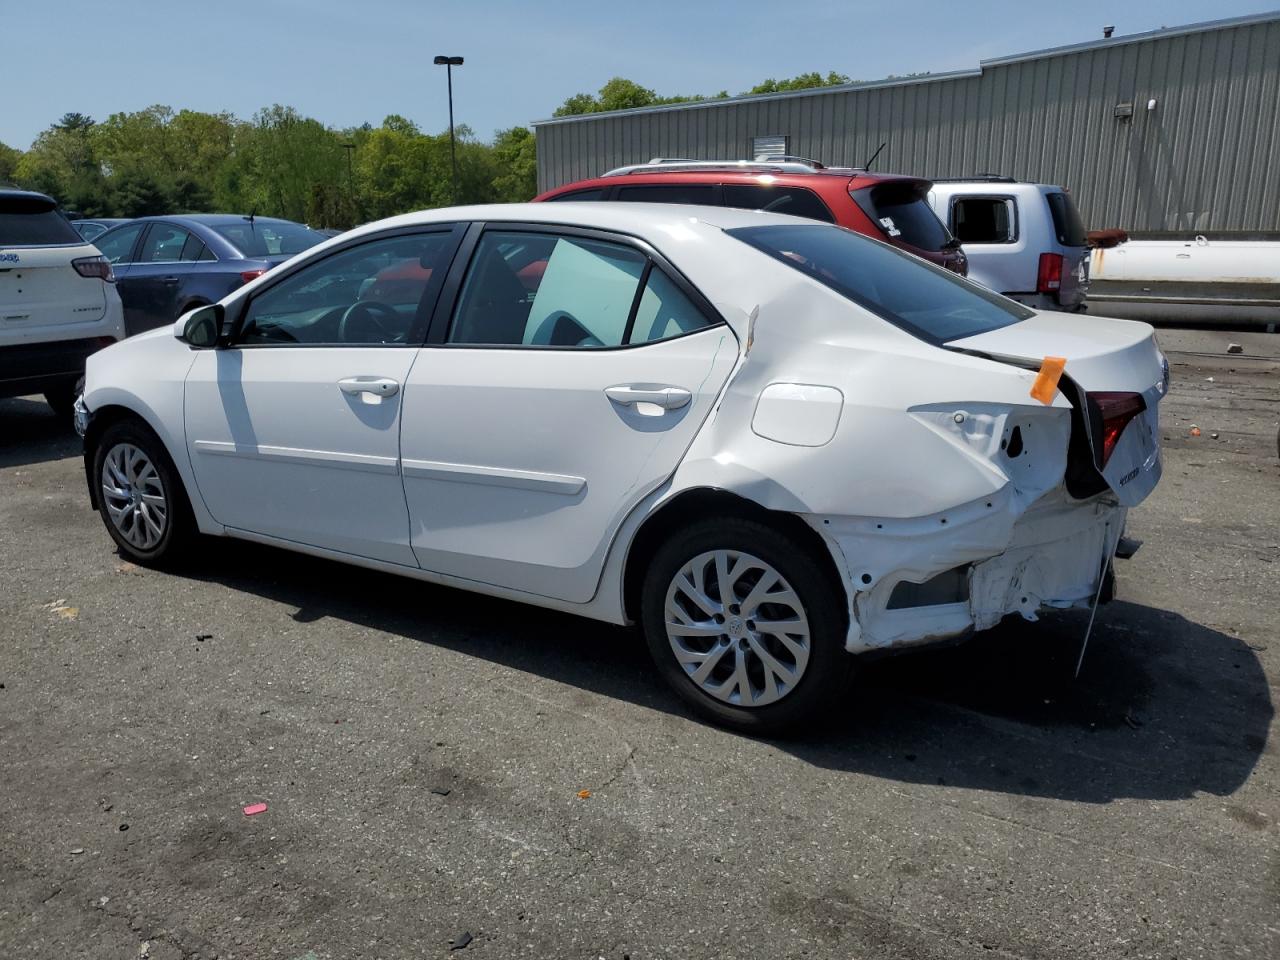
(421, 752)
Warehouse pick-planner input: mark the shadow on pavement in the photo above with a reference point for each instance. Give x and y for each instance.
(30, 433)
(1164, 707)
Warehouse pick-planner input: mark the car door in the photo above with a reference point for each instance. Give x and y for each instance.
(120, 245)
(293, 429)
(151, 286)
(574, 369)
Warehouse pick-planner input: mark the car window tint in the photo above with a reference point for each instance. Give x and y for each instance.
(268, 238)
(796, 201)
(163, 244)
(664, 311)
(117, 245)
(983, 220)
(195, 249)
(1066, 221)
(927, 301)
(596, 194)
(33, 221)
(534, 289)
(89, 230)
(370, 293)
(899, 209)
(704, 194)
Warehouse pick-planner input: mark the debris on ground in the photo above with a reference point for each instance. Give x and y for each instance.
(1234, 348)
(254, 809)
(461, 940)
(76, 851)
(1194, 431)
(584, 794)
(202, 637)
(124, 827)
(441, 791)
(60, 607)
(1213, 436)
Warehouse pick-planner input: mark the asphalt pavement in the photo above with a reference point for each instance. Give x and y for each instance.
(453, 776)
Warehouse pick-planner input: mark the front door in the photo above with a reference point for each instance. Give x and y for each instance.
(294, 429)
(576, 372)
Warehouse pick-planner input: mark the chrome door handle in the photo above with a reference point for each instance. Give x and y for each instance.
(669, 398)
(378, 386)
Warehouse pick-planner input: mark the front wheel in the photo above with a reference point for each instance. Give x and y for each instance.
(140, 494)
(746, 625)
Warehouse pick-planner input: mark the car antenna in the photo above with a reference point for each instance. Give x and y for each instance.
(252, 213)
(867, 165)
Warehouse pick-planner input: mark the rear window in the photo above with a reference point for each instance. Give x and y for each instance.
(1066, 221)
(796, 201)
(926, 301)
(900, 210)
(268, 239)
(33, 222)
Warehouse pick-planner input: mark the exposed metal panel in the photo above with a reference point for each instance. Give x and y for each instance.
(1206, 158)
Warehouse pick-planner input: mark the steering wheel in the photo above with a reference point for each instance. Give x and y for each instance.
(364, 322)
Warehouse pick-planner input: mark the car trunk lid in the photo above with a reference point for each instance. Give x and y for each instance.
(40, 288)
(1104, 359)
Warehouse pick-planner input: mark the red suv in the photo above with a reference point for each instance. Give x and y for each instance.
(887, 207)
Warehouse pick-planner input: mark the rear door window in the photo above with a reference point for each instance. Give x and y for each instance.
(984, 220)
(164, 244)
(926, 301)
(1066, 221)
(796, 201)
(33, 222)
(899, 209)
(700, 193)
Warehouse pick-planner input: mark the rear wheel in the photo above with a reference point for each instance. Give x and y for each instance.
(140, 495)
(745, 625)
(62, 398)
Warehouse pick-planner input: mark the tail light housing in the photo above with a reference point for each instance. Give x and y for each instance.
(99, 267)
(1049, 276)
(247, 275)
(1112, 413)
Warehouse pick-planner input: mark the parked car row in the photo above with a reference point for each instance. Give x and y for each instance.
(1023, 240)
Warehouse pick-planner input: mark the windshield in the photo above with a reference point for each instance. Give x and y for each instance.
(926, 301)
(268, 238)
(33, 222)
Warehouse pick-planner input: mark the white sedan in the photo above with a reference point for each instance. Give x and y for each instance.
(773, 443)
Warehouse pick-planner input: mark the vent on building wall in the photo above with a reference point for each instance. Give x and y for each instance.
(765, 147)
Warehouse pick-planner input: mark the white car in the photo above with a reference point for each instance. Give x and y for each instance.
(772, 442)
(1024, 240)
(58, 301)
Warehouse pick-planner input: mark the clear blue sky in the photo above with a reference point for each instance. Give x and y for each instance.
(348, 61)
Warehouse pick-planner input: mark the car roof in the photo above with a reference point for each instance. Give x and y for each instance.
(644, 220)
(7, 194)
(212, 219)
(727, 174)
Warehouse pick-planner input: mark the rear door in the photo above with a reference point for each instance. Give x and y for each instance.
(151, 286)
(570, 373)
(39, 288)
(989, 230)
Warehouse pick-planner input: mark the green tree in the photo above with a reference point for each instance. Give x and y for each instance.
(618, 94)
(515, 160)
(805, 81)
(9, 158)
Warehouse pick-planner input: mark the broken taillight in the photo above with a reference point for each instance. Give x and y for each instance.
(1114, 411)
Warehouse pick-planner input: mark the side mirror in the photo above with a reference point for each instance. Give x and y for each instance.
(201, 327)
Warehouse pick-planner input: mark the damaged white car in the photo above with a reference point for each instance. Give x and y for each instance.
(774, 443)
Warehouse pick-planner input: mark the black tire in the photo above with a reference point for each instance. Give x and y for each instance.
(179, 527)
(62, 398)
(827, 672)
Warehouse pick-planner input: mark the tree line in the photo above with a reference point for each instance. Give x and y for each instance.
(280, 163)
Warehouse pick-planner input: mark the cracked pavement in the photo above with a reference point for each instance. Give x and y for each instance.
(421, 752)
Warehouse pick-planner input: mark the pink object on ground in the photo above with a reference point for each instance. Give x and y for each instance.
(253, 808)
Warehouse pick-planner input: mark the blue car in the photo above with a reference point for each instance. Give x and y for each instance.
(165, 266)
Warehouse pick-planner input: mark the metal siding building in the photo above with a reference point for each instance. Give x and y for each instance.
(1205, 158)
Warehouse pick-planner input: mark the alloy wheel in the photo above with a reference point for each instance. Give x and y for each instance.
(737, 628)
(134, 496)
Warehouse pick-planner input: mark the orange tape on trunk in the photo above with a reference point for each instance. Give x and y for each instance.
(1046, 385)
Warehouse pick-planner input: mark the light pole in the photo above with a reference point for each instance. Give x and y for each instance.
(449, 63)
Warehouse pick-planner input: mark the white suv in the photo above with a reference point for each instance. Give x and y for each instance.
(1024, 240)
(58, 300)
